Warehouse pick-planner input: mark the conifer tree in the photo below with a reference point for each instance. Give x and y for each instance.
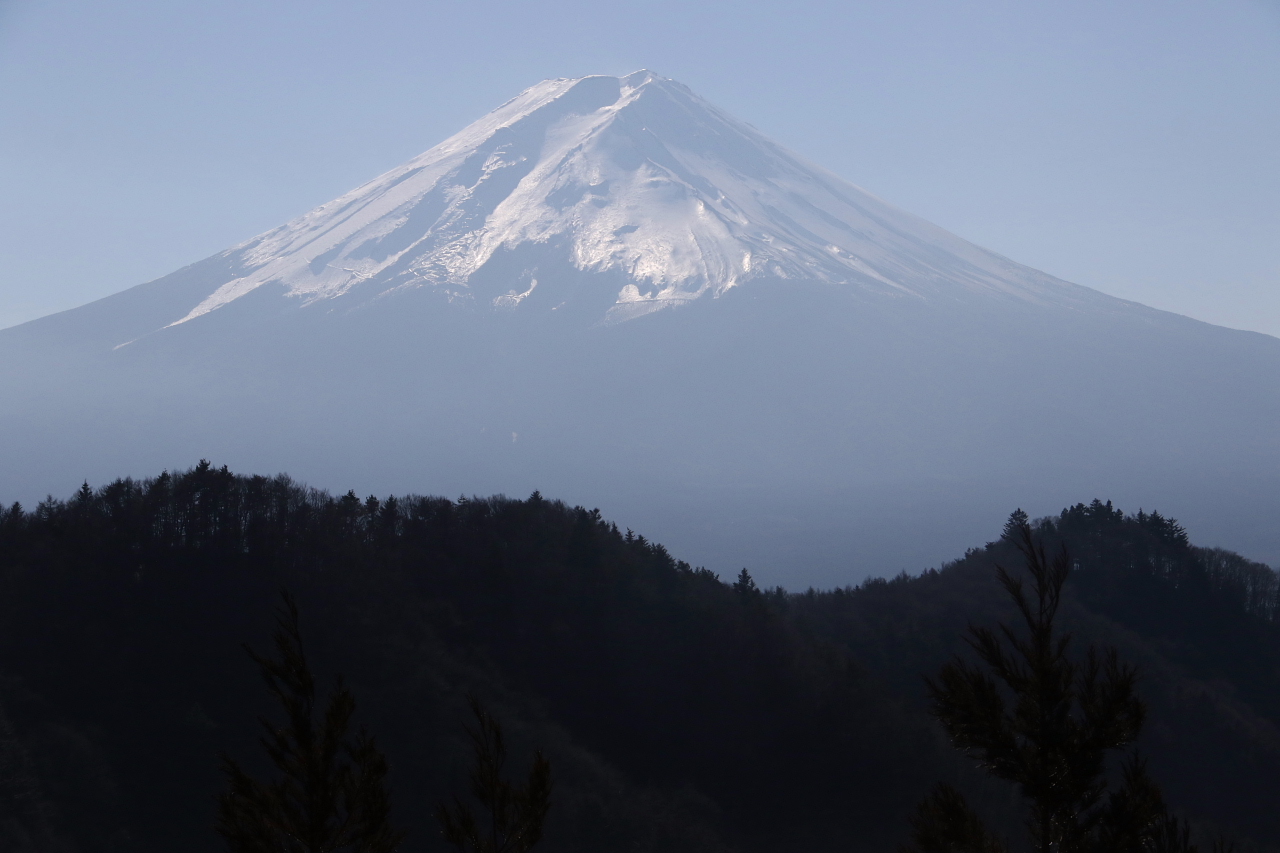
(330, 795)
(512, 816)
(1033, 717)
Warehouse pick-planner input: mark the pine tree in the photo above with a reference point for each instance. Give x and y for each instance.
(331, 792)
(513, 817)
(1035, 718)
(745, 585)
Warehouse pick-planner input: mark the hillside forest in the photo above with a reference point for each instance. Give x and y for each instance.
(677, 710)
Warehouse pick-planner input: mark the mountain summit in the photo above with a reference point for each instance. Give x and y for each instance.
(635, 176)
(611, 291)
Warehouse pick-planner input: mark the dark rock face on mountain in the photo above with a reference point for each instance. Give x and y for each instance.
(610, 290)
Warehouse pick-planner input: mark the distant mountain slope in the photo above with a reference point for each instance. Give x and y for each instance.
(489, 317)
(634, 175)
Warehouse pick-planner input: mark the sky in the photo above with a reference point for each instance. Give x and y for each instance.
(1133, 147)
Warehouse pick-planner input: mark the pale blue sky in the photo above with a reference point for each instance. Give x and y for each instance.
(1130, 146)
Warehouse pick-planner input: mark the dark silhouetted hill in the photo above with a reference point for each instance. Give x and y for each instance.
(680, 711)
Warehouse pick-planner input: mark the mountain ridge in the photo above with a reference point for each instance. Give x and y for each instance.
(795, 422)
(634, 174)
(680, 712)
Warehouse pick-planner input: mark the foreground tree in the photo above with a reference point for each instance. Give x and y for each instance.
(1033, 717)
(331, 791)
(513, 816)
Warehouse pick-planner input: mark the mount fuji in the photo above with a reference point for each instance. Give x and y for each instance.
(609, 290)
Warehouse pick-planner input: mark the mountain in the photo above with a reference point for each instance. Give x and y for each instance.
(679, 712)
(635, 176)
(609, 289)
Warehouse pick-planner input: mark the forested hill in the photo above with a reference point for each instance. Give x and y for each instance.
(680, 711)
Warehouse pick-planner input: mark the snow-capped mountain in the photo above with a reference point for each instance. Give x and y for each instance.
(633, 175)
(835, 387)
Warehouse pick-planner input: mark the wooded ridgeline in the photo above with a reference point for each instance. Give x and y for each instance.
(680, 711)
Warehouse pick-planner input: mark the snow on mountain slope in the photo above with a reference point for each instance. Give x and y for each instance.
(635, 175)
(845, 379)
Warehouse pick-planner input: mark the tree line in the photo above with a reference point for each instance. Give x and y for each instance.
(680, 711)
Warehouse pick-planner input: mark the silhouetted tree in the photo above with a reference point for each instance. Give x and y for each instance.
(513, 817)
(331, 793)
(1052, 739)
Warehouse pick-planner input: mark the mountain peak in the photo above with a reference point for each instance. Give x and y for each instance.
(635, 177)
